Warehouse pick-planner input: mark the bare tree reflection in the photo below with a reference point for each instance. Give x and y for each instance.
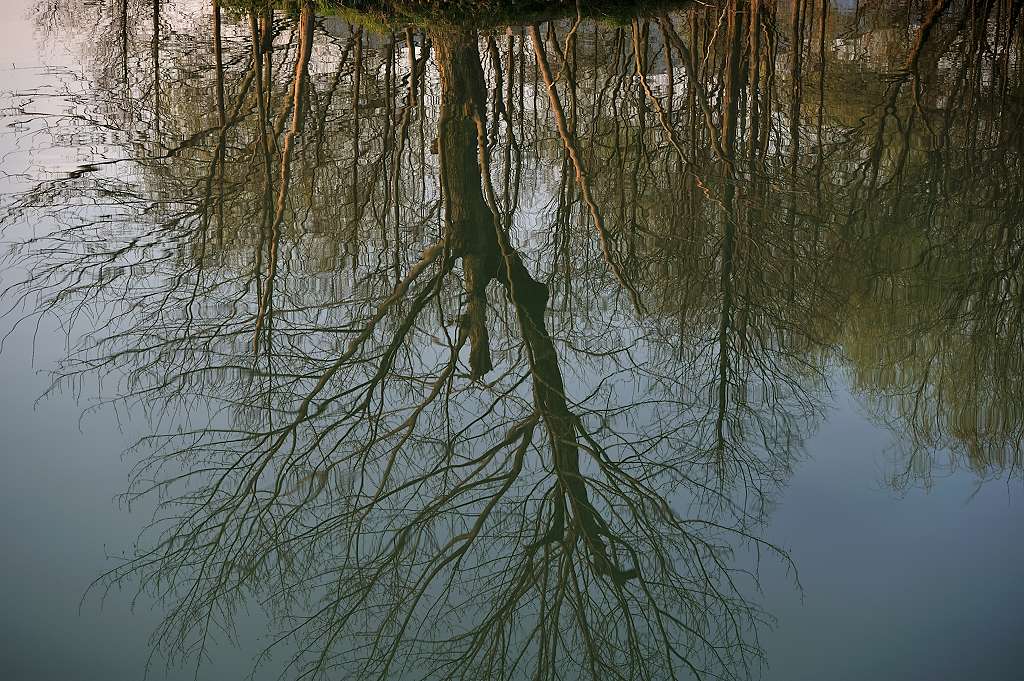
(479, 354)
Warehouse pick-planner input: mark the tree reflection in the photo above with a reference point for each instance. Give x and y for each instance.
(476, 353)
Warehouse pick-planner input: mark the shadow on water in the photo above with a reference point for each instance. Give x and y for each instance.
(477, 353)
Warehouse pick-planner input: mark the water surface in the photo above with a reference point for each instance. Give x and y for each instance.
(680, 345)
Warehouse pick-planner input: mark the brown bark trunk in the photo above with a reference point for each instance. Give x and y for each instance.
(469, 221)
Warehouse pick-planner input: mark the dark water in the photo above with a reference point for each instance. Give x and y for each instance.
(681, 346)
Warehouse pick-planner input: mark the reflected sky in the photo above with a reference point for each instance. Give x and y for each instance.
(682, 345)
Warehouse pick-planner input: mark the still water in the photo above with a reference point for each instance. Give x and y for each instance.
(528, 346)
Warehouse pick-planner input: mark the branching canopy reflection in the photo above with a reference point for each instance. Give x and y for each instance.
(478, 353)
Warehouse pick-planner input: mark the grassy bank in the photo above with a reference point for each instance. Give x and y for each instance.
(478, 13)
